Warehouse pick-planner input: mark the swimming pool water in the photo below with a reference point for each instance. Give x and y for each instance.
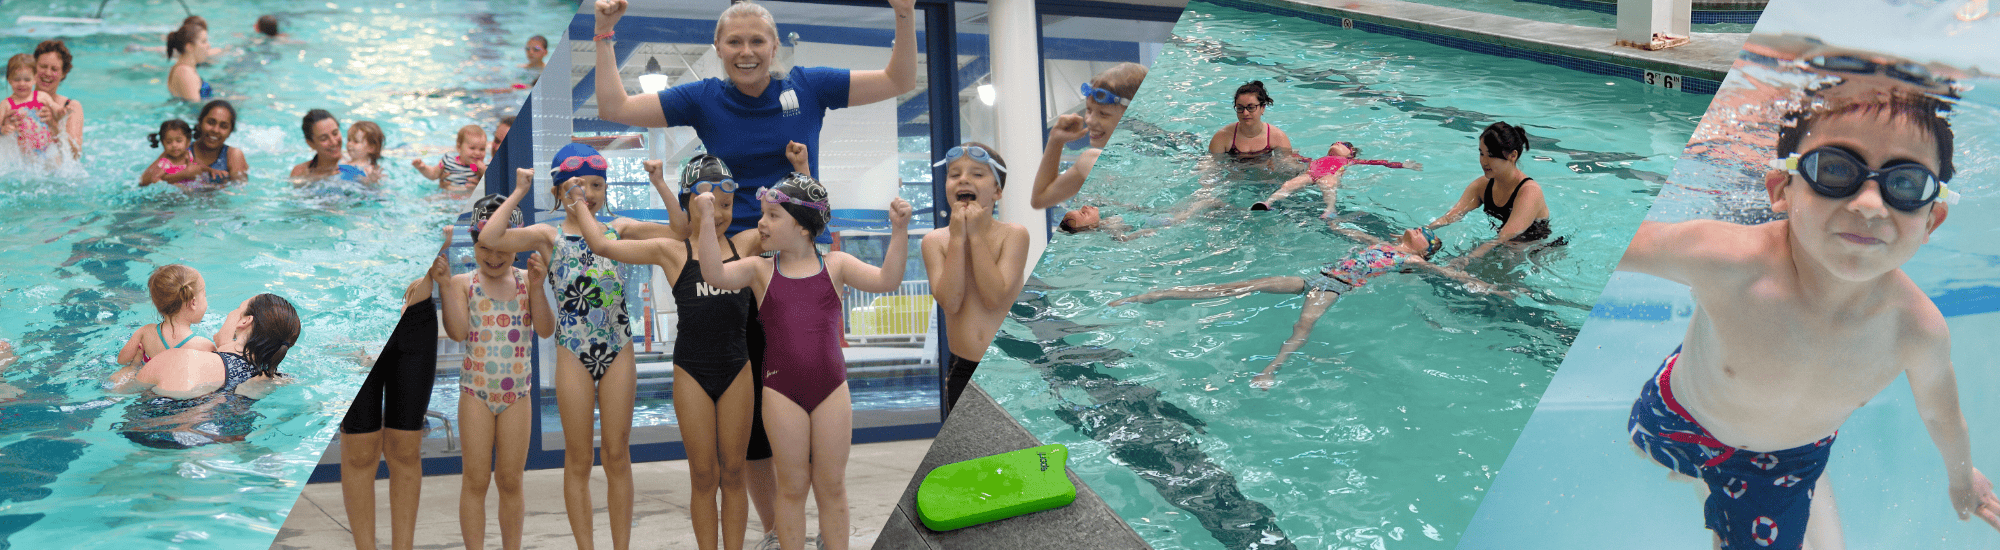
(1387, 427)
(1886, 472)
(81, 241)
(1545, 11)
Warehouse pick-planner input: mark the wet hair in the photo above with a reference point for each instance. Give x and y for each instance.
(466, 132)
(1502, 139)
(56, 46)
(1122, 79)
(539, 38)
(172, 288)
(746, 8)
(195, 20)
(313, 117)
(211, 106)
(1255, 87)
(1352, 149)
(997, 175)
(179, 40)
(268, 25)
(1923, 110)
(20, 62)
(171, 125)
(371, 134)
(1066, 225)
(274, 328)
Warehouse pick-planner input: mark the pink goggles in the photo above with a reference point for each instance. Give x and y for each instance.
(772, 194)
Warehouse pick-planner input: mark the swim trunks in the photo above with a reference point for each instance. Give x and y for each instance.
(1755, 500)
(590, 317)
(957, 375)
(496, 349)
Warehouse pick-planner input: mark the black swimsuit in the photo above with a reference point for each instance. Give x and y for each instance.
(156, 422)
(711, 346)
(1535, 232)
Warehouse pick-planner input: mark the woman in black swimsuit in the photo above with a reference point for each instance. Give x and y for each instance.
(1250, 138)
(1523, 217)
(197, 398)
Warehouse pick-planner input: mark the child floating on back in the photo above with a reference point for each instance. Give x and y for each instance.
(1326, 173)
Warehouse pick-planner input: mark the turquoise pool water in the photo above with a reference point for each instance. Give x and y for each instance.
(1538, 11)
(1386, 429)
(81, 241)
(1886, 472)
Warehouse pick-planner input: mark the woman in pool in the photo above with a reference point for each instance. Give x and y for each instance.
(748, 117)
(322, 133)
(1250, 138)
(221, 163)
(189, 48)
(1324, 285)
(1523, 216)
(52, 66)
(200, 397)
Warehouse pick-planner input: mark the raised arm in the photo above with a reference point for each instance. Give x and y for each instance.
(867, 278)
(542, 316)
(722, 275)
(629, 251)
(996, 274)
(519, 239)
(432, 173)
(677, 217)
(900, 76)
(612, 104)
(1052, 184)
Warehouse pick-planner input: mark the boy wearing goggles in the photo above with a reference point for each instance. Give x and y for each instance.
(976, 264)
(1105, 99)
(1801, 321)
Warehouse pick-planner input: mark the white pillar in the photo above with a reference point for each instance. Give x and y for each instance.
(1017, 83)
(1639, 19)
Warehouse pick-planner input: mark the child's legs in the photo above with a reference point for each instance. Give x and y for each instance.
(1290, 186)
(1823, 528)
(359, 453)
(832, 439)
(1275, 285)
(1317, 302)
(791, 447)
(576, 399)
(615, 394)
(404, 451)
(761, 481)
(732, 415)
(512, 430)
(475, 437)
(696, 416)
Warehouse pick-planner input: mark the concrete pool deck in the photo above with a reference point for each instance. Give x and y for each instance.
(1707, 55)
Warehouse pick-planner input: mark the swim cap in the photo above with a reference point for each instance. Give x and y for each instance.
(483, 208)
(800, 190)
(1434, 245)
(576, 160)
(704, 168)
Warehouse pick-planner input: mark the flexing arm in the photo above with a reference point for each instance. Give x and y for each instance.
(1052, 184)
(900, 76)
(647, 251)
(677, 217)
(520, 239)
(641, 110)
(722, 275)
(867, 278)
(544, 318)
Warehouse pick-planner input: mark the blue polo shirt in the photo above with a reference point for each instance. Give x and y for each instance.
(750, 133)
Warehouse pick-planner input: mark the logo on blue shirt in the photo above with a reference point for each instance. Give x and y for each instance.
(790, 101)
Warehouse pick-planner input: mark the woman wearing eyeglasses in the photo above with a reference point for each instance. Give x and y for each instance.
(1250, 138)
(1512, 198)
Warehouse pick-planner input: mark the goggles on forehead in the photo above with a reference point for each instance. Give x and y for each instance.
(773, 194)
(1906, 71)
(573, 164)
(977, 153)
(1836, 173)
(1104, 96)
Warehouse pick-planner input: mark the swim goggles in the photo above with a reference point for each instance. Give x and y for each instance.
(573, 164)
(977, 153)
(1836, 173)
(726, 186)
(704, 173)
(1906, 71)
(772, 194)
(1433, 244)
(1104, 96)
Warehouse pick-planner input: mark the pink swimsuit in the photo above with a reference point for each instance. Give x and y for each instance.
(1325, 166)
(168, 167)
(34, 135)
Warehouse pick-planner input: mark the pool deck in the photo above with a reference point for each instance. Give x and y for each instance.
(1706, 55)
(979, 427)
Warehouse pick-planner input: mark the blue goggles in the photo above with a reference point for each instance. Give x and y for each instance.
(699, 187)
(977, 153)
(1104, 96)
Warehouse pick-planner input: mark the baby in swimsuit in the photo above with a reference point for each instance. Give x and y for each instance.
(1326, 172)
(181, 297)
(25, 106)
(175, 157)
(461, 172)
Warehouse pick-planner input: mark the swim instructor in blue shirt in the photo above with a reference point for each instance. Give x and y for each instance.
(748, 118)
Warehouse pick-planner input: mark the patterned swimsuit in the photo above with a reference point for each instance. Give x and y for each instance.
(590, 320)
(496, 359)
(1356, 269)
(34, 135)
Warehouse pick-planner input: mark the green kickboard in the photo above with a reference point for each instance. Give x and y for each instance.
(964, 494)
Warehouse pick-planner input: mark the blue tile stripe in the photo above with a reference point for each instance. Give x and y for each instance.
(1719, 14)
(1689, 84)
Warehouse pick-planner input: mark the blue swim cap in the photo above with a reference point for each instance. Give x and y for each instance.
(577, 160)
